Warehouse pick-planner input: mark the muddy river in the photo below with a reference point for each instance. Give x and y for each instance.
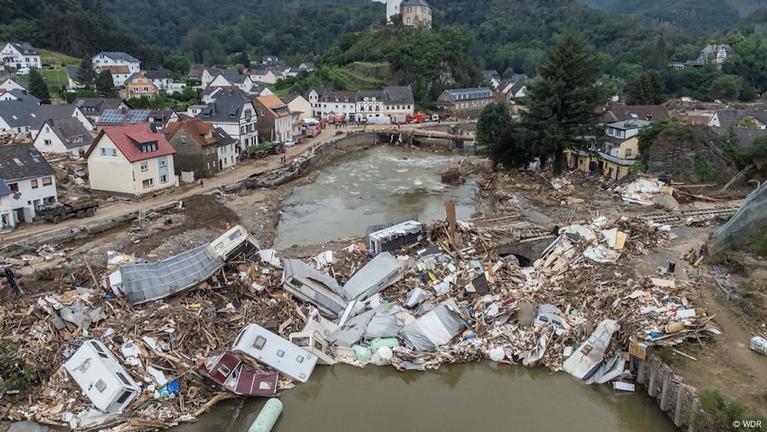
(384, 184)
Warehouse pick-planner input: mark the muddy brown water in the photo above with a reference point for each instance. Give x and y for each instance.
(376, 186)
(371, 187)
(456, 398)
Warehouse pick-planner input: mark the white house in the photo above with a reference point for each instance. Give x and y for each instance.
(17, 115)
(20, 55)
(267, 76)
(300, 105)
(64, 136)
(625, 129)
(234, 113)
(10, 84)
(232, 78)
(333, 102)
(130, 160)
(59, 112)
(120, 64)
(26, 182)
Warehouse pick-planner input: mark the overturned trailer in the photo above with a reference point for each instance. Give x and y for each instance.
(379, 273)
(102, 378)
(228, 371)
(313, 286)
(143, 282)
(274, 351)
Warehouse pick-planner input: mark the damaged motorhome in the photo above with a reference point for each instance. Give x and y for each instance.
(228, 371)
(143, 282)
(313, 286)
(102, 378)
(588, 357)
(272, 350)
(388, 238)
(435, 328)
(379, 273)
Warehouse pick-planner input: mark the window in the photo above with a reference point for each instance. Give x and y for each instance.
(14, 187)
(163, 163)
(144, 166)
(123, 397)
(103, 151)
(164, 178)
(113, 152)
(280, 353)
(34, 183)
(101, 386)
(47, 142)
(148, 183)
(300, 359)
(628, 153)
(223, 370)
(259, 342)
(47, 181)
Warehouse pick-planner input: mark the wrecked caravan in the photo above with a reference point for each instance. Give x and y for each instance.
(102, 378)
(388, 238)
(588, 358)
(272, 350)
(379, 273)
(313, 286)
(228, 371)
(143, 282)
(434, 328)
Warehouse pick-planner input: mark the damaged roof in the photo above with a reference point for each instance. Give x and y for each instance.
(22, 161)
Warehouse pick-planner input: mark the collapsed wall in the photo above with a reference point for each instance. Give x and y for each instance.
(691, 154)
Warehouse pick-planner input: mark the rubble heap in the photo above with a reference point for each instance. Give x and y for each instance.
(445, 299)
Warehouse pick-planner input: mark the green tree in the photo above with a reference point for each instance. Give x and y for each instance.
(86, 75)
(726, 87)
(38, 87)
(492, 129)
(177, 64)
(105, 85)
(242, 58)
(561, 101)
(646, 90)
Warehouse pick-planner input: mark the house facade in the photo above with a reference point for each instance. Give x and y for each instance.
(131, 160)
(17, 115)
(20, 55)
(64, 136)
(9, 84)
(469, 99)
(614, 155)
(391, 104)
(201, 148)
(267, 76)
(138, 85)
(120, 64)
(234, 113)
(300, 105)
(275, 122)
(59, 112)
(26, 183)
(416, 13)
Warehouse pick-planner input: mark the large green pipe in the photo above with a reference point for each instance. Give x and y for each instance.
(267, 417)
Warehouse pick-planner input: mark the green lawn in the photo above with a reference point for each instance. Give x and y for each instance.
(55, 78)
(54, 58)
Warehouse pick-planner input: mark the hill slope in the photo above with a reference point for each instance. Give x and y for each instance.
(703, 16)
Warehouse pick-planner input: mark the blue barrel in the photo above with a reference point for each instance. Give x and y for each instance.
(267, 417)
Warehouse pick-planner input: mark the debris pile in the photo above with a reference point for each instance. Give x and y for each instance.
(252, 323)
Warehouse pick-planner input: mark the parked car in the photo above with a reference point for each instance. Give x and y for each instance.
(289, 143)
(22, 71)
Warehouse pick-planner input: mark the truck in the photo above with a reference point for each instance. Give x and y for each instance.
(418, 117)
(258, 151)
(60, 211)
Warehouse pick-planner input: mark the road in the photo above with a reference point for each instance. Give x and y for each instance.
(238, 173)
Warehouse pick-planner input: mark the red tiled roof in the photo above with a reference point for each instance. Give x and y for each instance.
(128, 138)
(200, 130)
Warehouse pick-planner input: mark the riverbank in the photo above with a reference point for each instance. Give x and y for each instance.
(160, 236)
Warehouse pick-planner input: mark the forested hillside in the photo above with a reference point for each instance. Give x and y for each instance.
(701, 16)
